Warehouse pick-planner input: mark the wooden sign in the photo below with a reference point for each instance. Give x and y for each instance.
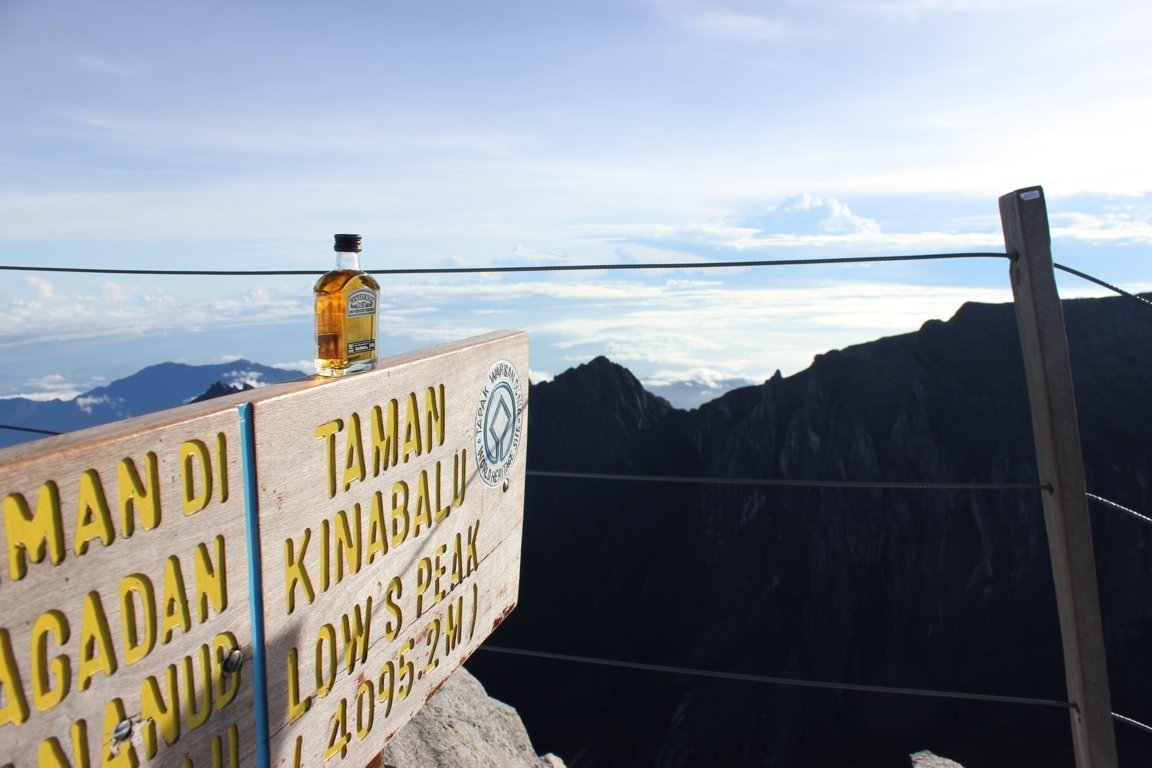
(124, 608)
(390, 524)
(381, 514)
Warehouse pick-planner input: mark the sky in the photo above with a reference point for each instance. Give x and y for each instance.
(243, 135)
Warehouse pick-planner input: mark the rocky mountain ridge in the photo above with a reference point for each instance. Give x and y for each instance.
(155, 388)
(943, 590)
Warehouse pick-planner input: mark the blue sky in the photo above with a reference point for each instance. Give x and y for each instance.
(215, 135)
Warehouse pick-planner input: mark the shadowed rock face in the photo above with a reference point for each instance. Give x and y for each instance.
(944, 590)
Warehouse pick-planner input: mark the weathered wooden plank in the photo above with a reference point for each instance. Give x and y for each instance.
(123, 590)
(1061, 464)
(387, 555)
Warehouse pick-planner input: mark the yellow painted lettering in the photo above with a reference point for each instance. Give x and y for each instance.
(365, 708)
(325, 663)
(357, 627)
(438, 573)
(423, 580)
(193, 715)
(96, 651)
(458, 559)
(412, 445)
(434, 416)
(195, 464)
(175, 613)
(295, 572)
(51, 754)
(222, 465)
(138, 614)
(13, 703)
(385, 437)
(327, 432)
(399, 513)
(453, 625)
(158, 713)
(473, 555)
(211, 580)
(459, 477)
(227, 683)
(93, 518)
(423, 514)
(138, 495)
(338, 737)
(33, 536)
(325, 555)
(395, 622)
(45, 693)
(296, 706)
(377, 529)
(442, 511)
(349, 542)
(354, 455)
(233, 735)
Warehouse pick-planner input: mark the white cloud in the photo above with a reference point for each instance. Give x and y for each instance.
(52, 386)
(537, 377)
(51, 317)
(1116, 227)
(41, 287)
(87, 403)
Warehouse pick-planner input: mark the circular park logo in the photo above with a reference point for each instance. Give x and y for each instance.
(499, 422)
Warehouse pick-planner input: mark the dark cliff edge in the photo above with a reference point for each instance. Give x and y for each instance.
(944, 590)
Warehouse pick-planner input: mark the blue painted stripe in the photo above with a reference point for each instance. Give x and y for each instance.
(255, 584)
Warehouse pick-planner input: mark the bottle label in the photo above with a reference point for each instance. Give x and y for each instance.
(362, 303)
(356, 347)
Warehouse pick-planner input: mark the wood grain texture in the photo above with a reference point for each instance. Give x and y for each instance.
(118, 608)
(101, 607)
(1060, 462)
(386, 558)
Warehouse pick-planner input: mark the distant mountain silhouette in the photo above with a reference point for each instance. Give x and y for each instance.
(942, 590)
(155, 388)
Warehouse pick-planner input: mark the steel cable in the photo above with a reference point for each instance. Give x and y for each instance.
(767, 679)
(535, 268)
(1120, 507)
(1103, 284)
(770, 481)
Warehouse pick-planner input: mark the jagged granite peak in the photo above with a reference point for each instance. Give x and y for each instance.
(597, 407)
(220, 389)
(939, 590)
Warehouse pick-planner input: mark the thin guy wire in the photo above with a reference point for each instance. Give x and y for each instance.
(793, 483)
(545, 268)
(766, 679)
(1122, 508)
(29, 429)
(1130, 721)
(1100, 282)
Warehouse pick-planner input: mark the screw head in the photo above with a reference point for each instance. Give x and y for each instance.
(234, 661)
(123, 730)
(505, 484)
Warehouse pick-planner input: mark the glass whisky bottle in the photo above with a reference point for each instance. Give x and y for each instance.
(346, 302)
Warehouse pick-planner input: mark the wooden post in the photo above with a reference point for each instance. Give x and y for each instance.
(1024, 217)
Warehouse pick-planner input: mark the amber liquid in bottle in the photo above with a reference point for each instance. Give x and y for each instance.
(346, 300)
